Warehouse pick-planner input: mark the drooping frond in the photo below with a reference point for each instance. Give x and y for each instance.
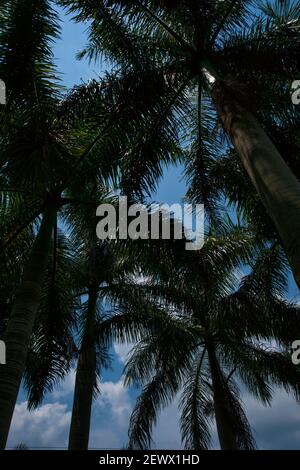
(195, 400)
(27, 32)
(52, 348)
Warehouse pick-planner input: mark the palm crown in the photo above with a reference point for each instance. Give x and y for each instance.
(227, 51)
(208, 341)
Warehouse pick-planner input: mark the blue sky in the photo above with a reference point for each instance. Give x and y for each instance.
(275, 428)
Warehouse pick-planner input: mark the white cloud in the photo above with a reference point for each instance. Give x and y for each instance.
(276, 427)
(111, 413)
(166, 434)
(123, 350)
(45, 427)
(105, 438)
(67, 386)
(115, 396)
(116, 400)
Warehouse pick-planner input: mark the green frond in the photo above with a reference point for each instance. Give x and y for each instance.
(27, 32)
(156, 395)
(52, 347)
(195, 399)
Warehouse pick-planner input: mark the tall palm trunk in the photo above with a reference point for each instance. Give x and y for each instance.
(85, 381)
(276, 185)
(226, 434)
(21, 322)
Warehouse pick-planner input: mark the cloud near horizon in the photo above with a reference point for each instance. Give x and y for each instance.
(277, 427)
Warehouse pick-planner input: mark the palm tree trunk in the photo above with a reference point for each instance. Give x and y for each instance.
(85, 381)
(21, 322)
(226, 434)
(275, 183)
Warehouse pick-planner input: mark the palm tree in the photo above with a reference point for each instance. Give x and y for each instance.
(40, 23)
(37, 174)
(105, 279)
(211, 332)
(48, 361)
(99, 275)
(96, 262)
(105, 268)
(50, 147)
(223, 50)
(224, 178)
(76, 269)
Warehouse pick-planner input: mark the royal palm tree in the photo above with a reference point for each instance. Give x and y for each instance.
(65, 330)
(103, 275)
(100, 131)
(211, 332)
(95, 267)
(92, 355)
(224, 178)
(40, 26)
(222, 50)
(49, 146)
(106, 278)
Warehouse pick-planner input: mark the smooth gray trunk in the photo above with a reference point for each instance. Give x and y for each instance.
(226, 434)
(21, 322)
(85, 382)
(275, 183)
